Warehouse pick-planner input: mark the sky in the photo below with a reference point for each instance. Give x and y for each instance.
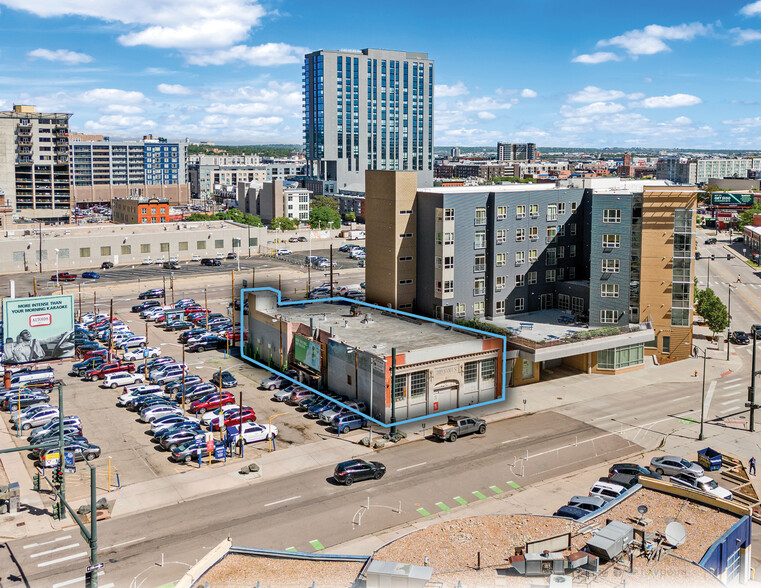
(667, 73)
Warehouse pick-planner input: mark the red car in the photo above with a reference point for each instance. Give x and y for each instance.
(95, 353)
(236, 336)
(211, 402)
(234, 417)
(109, 368)
(63, 277)
(192, 309)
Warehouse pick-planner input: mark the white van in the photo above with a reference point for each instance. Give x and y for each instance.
(44, 378)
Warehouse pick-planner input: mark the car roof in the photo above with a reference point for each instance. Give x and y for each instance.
(608, 486)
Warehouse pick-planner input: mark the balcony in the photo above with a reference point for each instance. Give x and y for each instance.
(24, 132)
(23, 140)
(25, 159)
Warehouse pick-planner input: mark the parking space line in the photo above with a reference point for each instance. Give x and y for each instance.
(73, 581)
(423, 512)
(514, 485)
(496, 489)
(479, 495)
(52, 562)
(56, 540)
(460, 499)
(443, 507)
(316, 545)
(56, 550)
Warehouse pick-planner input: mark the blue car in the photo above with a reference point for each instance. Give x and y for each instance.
(90, 275)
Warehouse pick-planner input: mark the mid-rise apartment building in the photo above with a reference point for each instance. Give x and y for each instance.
(34, 164)
(516, 151)
(367, 110)
(139, 211)
(219, 176)
(270, 200)
(683, 170)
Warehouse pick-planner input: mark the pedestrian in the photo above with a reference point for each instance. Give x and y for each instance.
(752, 464)
(739, 281)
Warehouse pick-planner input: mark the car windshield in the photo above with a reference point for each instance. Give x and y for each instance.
(685, 463)
(712, 485)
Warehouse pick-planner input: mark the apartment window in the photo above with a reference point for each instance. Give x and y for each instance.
(19, 255)
(84, 252)
(404, 282)
(572, 251)
(611, 266)
(470, 372)
(200, 244)
(479, 241)
(561, 207)
(520, 211)
(236, 242)
(145, 247)
(552, 212)
(608, 316)
(531, 278)
(610, 241)
(520, 257)
(572, 228)
(164, 247)
(551, 232)
(153, 211)
(532, 255)
(406, 258)
(533, 210)
(577, 304)
(479, 287)
(478, 308)
(564, 302)
(609, 290)
(480, 215)
(573, 207)
(680, 317)
(666, 344)
(126, 249)
(500, 282)
(520, 304)
(253, 241)
(561, 252)
(501, 212)
(499, 307)
(561, 274)
(561, 230)
(143, 210)
(448, 238)
(182, 245)
(449, 214)
(479, 264)
(520, 280)
(405, 236)
(405, 212)
(438, 262)
(549, 275)
(611, 215)
(552, 256)
(501, 258)
(105, 250)
(571, 273)
(448, 286)
(520, 234)
(533, 233)
(501, 236)
(448, 262)
(459, 309)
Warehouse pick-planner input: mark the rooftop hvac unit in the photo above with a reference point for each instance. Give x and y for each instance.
(558, 581)
(611, 540)
(538, 564)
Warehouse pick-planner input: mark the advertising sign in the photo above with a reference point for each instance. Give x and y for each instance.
(731, 199)
(38, 329)
(307, 352)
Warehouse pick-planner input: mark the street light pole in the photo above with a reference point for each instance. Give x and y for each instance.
(751, 404)
(729, 317)
(703, 396)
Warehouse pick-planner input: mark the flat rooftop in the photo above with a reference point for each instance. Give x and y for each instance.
(376, 331)
(103, 229)
(540, 325)
(491, 188)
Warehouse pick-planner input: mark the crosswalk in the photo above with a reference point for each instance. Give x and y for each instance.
(45, 557)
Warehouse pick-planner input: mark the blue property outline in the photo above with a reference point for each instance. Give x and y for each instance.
(384, 309)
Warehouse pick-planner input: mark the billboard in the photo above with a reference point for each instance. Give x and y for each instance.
(732, 199)
(38, 329)
(307, 352)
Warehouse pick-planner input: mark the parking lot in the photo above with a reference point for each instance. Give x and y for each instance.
(127, 441)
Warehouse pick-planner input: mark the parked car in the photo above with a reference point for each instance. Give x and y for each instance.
(232, 255)
(210, 402)
(116, 379)
(152, 293)
(182, 426)
(587, 503)
(671, 465)
(739, 239)
(188, 452)
(316, 410)
(702, 484)
(145, 305)
(196, 392)
(457, 426)
(209, 416)
(336, 410)
(142, 353)
(135, 341)
(228, 381)
(151, 413)
(82, 450)
(63, 277)
(355, 470)
(79, 368)
(233, 418)
(739, 338)
(106, 265)
(42, 415)
(343, 423)
(170, 420)
(210, 262)
(205, 345)
(173, 387)
(13, 402)
(632, 469)
(178, 326)
(147, 261)
(91, 275)
(71, 425)
(171, 265)
(175, 438)
(570, 512)
(195, 258)
(109, 368)
(254, 433)
(278, 381)
(607, 491)
(284, 394)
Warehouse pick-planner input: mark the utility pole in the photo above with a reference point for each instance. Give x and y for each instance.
(145, 356)
(35, 286)
(393, 391)
(61, 446)
(111, 331)
(751, 404)
(183, 378)
(164, 289)
(729, 317)
(331, 270)
(703, 396)
(171, 285)
(40, 249)
(253, 277)
(206, 308)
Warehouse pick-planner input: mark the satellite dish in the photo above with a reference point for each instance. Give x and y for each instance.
(642, 509)
(676, 534)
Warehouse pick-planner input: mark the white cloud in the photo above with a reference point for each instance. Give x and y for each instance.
(673, 101)
(651, 39)
(195, 24)
(528, 93)
(752, 9)
(121, 109)
(444, 91)
(592, 109)
(174, 89)
(744, 122)
(281, 98)
(595, 94)
(742, 36)
(113, 124)
(594, 58)
(62, 55)
(682, 120)
(468, 136)
(484, 115)
(484, 103)
(261, 55)
(110, 95)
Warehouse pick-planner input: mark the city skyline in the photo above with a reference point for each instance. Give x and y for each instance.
(230, 70)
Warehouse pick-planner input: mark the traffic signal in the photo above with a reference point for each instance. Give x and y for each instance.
(729, 257)
(36, 481)
(713, 256)
(57, 477)
(57, 507)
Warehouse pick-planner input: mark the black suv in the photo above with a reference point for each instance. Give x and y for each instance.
(209, 261)
(152, 293)
(106, 265)
(354, 470)
(145, 305)
(711, 241)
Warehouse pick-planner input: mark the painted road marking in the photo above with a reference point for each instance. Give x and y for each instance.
(514, 485)
(316, 545)
(423, 512)
(283, 500)
(111, 585)
(291, 549)
(443, 507)
(460, 499)
(680, 398)
(513, 440)
(496, 489)
(56, 550)
(733, 401)
(479, 495)
(412, 466)
(47, 542)
(73, 581)
(733, 386)
(52, 562)
(734, 380)
(122, 544)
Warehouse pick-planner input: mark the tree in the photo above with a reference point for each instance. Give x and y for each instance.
(328, 201)
(746, 217)
(325, 217)
(283, 223)
(253, 220)
(350, 217)
(713, 311)
(705, 195)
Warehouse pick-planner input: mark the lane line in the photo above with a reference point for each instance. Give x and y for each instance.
(73, 581)
(680, 398)
(56, 550)
(513, 440)
(281, 501)
(122, 544)
(56, 540)
(52, 562)
(412, 466)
